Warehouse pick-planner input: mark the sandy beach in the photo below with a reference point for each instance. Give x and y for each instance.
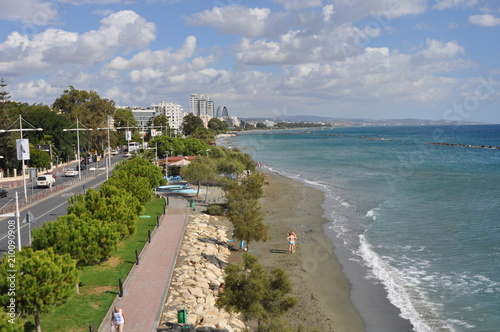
(315, 273)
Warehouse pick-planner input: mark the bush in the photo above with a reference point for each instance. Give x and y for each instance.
(216, 209)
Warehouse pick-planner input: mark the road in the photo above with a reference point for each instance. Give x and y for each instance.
(52, 206)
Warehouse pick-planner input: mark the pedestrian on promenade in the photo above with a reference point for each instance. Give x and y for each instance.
(117, 320)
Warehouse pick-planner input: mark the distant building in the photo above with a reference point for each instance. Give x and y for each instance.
(201, 105)
(141, 115)
(173, 112)
(221, 112)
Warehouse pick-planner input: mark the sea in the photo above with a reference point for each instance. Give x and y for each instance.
(416, 225)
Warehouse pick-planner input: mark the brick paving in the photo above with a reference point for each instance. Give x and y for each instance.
(145, 289)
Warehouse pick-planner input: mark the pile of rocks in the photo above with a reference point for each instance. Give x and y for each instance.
(197, 277)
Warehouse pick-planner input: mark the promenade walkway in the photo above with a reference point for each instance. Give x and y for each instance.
(145, 289)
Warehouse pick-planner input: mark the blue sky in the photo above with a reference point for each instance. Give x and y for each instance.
(376, 59)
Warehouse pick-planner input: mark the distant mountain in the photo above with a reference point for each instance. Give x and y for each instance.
(361, 122)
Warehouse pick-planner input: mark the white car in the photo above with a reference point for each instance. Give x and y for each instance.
(46, 180)
(71, 172)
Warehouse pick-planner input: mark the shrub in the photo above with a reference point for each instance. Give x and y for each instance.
(216, 209)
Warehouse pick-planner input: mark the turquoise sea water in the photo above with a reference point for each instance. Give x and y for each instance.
(422, 220)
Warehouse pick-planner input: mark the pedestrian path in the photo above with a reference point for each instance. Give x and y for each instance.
(146, 287)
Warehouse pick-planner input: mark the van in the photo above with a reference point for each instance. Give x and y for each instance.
(45, 180)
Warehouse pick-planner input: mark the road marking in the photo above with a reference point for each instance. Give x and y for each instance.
(25, 225)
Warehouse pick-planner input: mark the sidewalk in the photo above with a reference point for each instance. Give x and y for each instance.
(146, 287)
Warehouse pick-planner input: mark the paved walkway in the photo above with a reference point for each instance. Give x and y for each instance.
(146, 287)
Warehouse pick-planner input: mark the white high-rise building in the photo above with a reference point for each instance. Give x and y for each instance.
(173, 112)
(201, 105)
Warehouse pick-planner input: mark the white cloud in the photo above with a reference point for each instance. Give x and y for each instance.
(36, 12)
(485, 20)
(298, 4)
(123, 30)
(234, 19)
(437, 49)
(445, 4)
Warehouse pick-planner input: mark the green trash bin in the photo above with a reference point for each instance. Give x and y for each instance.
(192, 205)
(182, 316)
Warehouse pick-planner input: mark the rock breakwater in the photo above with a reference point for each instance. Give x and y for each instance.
(199, 272)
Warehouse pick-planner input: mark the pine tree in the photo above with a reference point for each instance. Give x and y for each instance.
(43, 281)
(256, 294)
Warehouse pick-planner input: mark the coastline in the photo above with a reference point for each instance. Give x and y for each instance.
(314, 270)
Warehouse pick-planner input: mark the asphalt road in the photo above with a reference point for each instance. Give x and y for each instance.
(50, 207)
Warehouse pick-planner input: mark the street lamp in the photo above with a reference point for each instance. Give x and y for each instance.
(23, 154)
(108, 163)
(78, 129)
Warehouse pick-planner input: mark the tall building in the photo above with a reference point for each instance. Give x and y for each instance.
(173, 112)
(201, 105)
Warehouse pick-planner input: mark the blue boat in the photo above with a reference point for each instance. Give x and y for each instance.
(173, 186)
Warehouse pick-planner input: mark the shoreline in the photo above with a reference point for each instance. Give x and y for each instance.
(317, 276)
(331, 287)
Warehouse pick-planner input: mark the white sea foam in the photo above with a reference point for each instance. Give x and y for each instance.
(403, 293)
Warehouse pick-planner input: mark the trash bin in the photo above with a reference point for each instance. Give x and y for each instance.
(192, 205)
(182, 316)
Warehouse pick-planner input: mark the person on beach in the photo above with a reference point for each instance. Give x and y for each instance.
(292, 238)
(117, 320)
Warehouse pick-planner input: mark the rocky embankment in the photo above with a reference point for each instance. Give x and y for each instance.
(203, 255)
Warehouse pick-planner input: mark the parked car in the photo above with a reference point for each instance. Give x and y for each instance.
(71, 172)
(45, 180)
(114, 152)
(3, 193)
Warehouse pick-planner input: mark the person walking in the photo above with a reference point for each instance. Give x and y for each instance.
(117, 320)
(292, 238)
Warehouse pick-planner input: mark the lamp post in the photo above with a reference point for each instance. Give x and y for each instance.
(78, 129)
(108, 162)
(22, 155)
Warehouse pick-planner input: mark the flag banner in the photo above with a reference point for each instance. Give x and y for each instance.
(153, 133)
(23, 149)
(128, 135)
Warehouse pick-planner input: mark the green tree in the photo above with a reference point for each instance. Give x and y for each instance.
(190, 123)
(260, 125)
(204, 134)
(44, 280)
(116, 206)
(88, 241)
(201, 171)
(142, 168)
(138, 186)
(11, 322)
(39, 159)
(217, 125)
(247, 218)
(92, 112)
(255, 293)
(124, 118)
(194, 146)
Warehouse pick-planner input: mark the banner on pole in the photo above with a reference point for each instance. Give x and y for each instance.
(128, 135)
(23, 149)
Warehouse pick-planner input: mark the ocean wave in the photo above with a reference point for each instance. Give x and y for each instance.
(403, 293)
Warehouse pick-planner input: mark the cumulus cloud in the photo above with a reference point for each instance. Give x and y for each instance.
(237, 19)
(486, 20)
(123, 30)
(36, 12)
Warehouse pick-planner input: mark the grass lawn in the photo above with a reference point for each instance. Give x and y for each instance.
(99, 284)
